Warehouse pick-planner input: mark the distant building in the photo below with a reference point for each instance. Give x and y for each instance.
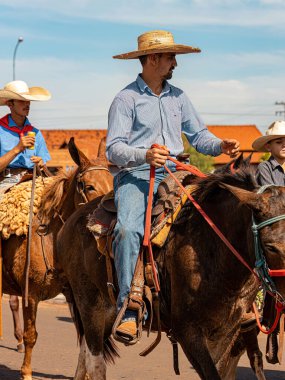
(89, 140)
(245, 134)
(57, 142)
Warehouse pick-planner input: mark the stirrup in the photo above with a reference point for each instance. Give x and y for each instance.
(124, 337)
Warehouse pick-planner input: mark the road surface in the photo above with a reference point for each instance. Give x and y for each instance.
(56, 351)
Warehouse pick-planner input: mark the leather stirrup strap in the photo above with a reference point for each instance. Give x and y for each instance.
(156, 309)
(133, 302)
(175, 353)
(281, 339)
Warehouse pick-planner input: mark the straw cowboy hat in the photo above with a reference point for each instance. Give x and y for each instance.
(157, 41)
(274, 131)
(19, 90)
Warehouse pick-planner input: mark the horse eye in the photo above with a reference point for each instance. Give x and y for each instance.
(90, 188)
(272, 248)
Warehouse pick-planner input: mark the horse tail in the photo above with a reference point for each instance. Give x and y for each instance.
(74, 312)
(110, 350)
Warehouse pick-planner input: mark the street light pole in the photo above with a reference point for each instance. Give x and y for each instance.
(20, 39)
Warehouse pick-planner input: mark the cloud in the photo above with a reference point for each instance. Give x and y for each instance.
(161, 12)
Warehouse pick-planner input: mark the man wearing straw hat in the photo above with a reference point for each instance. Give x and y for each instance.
(149, 111)
(19, 148)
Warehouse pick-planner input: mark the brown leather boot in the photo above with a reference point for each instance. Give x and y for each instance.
(127, 330)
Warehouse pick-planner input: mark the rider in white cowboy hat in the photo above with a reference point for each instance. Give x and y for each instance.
(272, 170)
(150, 110)
(19, 149)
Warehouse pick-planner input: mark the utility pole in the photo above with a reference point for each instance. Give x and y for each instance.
(280, 112)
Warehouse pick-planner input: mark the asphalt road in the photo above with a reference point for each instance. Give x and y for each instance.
(56, 351)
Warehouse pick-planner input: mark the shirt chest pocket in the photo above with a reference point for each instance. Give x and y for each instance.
(173, 122)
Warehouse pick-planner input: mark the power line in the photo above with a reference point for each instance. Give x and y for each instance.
(280, 112)
(235, 114)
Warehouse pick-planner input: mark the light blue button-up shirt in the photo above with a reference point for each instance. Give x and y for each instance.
(139, 118)
(9, 139)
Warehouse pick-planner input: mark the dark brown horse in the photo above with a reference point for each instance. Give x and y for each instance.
(205, 290)
(60, 200)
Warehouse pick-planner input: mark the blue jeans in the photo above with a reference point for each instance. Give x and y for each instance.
(131, 187)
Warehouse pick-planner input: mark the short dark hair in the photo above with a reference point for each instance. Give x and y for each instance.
(143, 59)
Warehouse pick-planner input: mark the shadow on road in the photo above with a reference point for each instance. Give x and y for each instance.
(247, 374)
(11, 374)
(64, 319)
(8, 348)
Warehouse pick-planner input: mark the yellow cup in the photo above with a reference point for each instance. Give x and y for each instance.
(31, 133)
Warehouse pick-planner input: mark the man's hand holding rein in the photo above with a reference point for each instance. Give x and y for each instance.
(157, 156)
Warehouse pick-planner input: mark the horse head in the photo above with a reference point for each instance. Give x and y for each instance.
(93, 178)
(69, 190)
(268, 208)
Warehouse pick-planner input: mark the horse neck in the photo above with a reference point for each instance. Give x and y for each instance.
(201, 247)
(68, 205)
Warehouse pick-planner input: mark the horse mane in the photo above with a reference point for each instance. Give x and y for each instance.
(209, 186)
(54, 194)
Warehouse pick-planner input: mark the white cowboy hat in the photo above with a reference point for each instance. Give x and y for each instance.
(274, 131)
(157, 41)
(19, 90)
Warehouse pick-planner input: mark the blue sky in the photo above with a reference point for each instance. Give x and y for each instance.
(68, 48)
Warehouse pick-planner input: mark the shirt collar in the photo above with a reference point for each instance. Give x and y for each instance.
(13, 124)
(143, 86)
(274, 163)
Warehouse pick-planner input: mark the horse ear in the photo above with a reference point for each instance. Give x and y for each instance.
(248, 159)
(102, 148)
(78, 157)
(238, 161)
(246, 197)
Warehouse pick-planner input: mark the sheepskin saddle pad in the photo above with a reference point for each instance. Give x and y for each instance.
(15, 206)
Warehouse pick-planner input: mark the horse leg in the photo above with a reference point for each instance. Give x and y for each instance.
(195, 349)
(18, 332)
(253, 352)
(81, 368)
(93, 322)
(30, 336)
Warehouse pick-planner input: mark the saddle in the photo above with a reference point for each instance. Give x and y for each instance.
(170, 199)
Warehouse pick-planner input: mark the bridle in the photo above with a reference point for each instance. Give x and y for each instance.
(80, 184)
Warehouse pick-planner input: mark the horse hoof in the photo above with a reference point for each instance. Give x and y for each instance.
(21, 347)
(26, 377)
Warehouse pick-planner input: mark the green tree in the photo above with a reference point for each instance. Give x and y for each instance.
(265, 157)
(202, 162)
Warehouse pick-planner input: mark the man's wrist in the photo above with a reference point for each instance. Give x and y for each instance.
(17, 150)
